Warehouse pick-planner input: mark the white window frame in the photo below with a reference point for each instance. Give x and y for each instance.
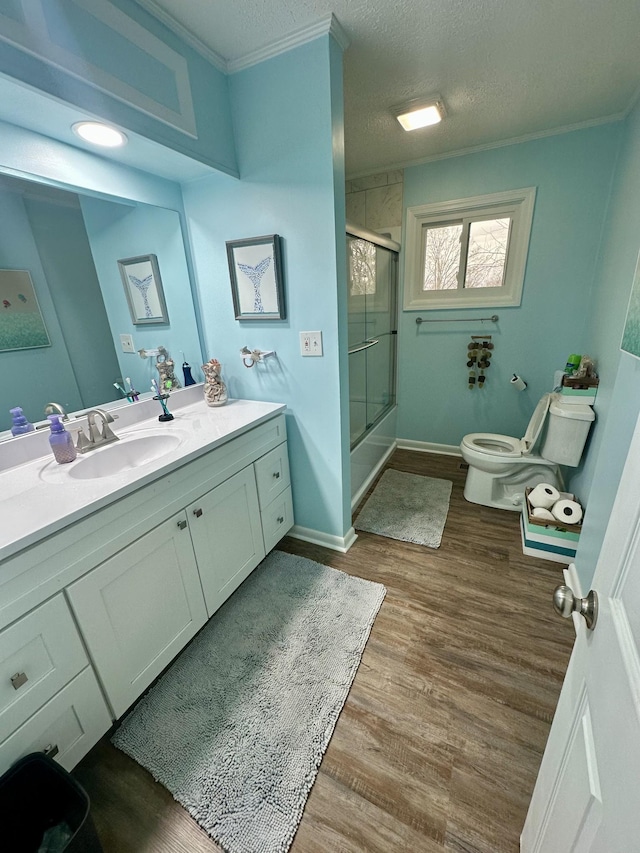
(516, 204)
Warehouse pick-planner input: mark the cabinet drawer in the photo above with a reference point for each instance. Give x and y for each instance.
(272, 474)
(73, 721)
(39, 654)
(277, 519)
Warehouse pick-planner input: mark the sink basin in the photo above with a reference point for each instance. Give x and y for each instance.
(130, 452)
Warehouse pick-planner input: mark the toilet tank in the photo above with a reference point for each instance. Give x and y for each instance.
(567, 430)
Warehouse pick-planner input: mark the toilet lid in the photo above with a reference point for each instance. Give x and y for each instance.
(493, 444)
(535, 424)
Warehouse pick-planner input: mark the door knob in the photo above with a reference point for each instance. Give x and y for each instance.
(565, 603)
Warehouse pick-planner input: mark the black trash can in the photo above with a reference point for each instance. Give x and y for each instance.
(43, 807)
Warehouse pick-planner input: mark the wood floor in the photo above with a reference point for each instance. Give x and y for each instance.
(439, 743)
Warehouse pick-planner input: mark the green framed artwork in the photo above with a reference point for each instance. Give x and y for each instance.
(631, 335)
(21, 322)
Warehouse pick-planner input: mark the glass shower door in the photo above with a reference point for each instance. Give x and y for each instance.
(372, 333)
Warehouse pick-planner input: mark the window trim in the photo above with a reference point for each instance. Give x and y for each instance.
(518, 204)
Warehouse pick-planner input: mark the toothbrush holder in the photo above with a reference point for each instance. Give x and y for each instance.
(166, 414)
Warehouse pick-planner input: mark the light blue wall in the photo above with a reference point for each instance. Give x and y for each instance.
(63, 246)
(94, 43)
(289, 186)
(118, 231)
(573, 174)
(618, 401)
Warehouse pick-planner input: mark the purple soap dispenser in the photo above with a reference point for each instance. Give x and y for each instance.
(19, 424)
(61, 441)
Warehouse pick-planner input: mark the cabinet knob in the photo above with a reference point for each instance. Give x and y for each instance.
(197, 512)
(280, 519)
(18, 680)
(182, 524)
(51, 750)
(276, 474)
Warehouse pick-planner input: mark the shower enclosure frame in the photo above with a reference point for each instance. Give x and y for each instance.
(369, 342)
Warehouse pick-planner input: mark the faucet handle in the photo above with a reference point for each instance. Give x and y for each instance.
(83, 443)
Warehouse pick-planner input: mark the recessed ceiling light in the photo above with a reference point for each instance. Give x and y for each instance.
(415, 114)
(99, 134)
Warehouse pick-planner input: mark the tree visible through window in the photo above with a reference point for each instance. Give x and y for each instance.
(362, 264)
(465, 254)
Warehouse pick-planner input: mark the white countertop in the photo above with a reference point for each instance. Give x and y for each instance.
(40, 497)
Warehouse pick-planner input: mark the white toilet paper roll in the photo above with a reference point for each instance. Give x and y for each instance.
(544, 495)
(541, 512)
(518, 382)
(568, 511)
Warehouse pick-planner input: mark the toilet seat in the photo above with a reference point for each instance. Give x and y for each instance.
(493, 444)
(505, 446)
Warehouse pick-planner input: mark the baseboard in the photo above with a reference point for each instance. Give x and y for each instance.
(355, 500)
(327, 540)
(428, 447)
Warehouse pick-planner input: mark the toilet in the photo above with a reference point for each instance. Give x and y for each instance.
(500, 467)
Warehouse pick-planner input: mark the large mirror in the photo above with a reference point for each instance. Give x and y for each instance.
(70, 245)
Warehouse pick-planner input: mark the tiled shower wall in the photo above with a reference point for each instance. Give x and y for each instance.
(375, 202)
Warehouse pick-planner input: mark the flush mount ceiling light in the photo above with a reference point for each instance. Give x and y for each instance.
(99, 134)
(420, 113)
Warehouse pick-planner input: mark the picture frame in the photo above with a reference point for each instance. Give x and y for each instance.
(21, 321)
(255, 269)
(143, 289)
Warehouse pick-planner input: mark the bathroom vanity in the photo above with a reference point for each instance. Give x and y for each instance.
(105, 575)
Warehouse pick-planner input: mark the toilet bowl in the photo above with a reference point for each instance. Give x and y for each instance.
(500, 467)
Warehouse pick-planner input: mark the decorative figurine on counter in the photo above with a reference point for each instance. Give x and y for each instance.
(168, 379)
(215, 391)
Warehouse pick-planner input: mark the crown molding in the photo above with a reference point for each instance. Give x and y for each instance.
(487, 146)
(329, 25)
(186, 35)
(326, 26)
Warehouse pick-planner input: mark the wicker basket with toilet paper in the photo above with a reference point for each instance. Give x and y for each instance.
(551, 523)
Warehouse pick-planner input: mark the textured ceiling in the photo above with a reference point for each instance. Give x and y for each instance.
(505, 68)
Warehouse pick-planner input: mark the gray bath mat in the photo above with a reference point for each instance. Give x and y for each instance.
(237, 727)
(408, 507)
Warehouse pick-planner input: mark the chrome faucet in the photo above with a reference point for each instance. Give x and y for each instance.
(97, 437)
(56, 409)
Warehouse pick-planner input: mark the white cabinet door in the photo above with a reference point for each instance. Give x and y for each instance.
(227, 536)
(137, 610)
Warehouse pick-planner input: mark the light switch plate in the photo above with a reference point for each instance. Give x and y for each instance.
(126, 342)
(311, 343)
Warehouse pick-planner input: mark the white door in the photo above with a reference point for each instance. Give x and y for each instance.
(587, 795)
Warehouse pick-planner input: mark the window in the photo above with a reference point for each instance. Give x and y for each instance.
(468, 252)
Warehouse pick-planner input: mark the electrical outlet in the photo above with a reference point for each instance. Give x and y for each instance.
(126, 342)
(310, 343)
